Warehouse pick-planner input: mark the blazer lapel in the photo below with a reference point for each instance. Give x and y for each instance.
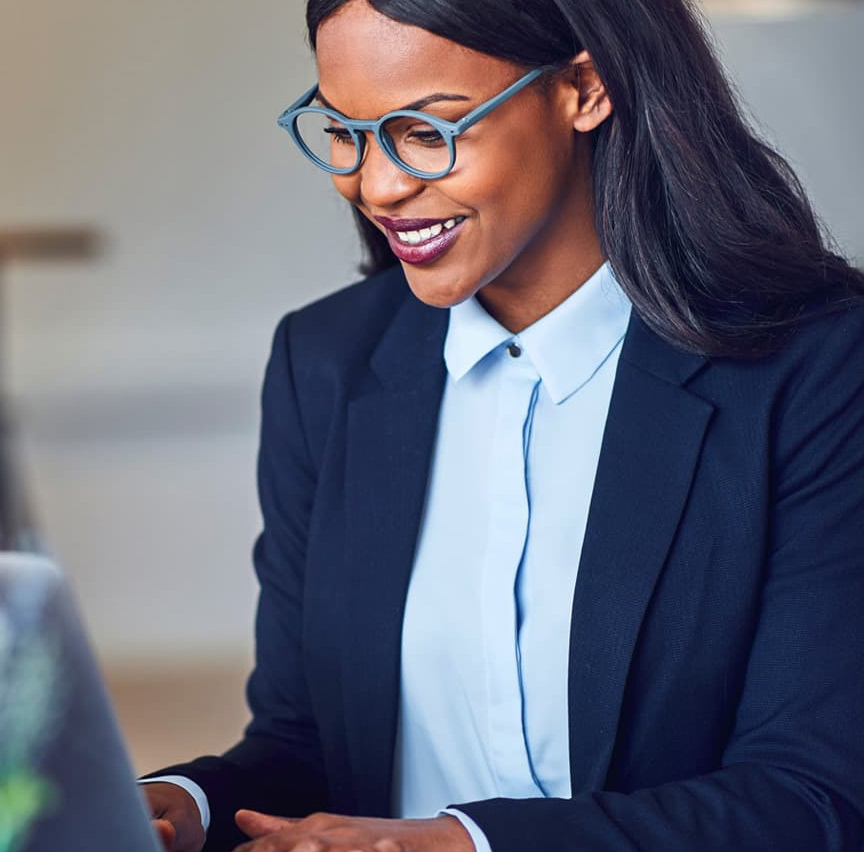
(650, 448)
(390, 438)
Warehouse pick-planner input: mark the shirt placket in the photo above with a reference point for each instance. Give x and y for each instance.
(509, 514)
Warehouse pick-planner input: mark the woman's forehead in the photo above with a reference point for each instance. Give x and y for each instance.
(357, 30)
(369, 64)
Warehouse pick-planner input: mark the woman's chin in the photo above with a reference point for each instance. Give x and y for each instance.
(435, 290)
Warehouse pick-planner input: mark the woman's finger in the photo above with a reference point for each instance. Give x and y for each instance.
(256, 824)
(166, 833)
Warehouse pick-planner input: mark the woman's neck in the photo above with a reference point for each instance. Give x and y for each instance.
(516, 304)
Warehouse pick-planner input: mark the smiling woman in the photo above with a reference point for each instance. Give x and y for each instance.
(521, 241)
(562, 544)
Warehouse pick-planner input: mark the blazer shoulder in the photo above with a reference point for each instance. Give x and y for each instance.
(826, 363)
(336, 340)
(350, 320)
(811, 385)
(827, 341)
(824, 349)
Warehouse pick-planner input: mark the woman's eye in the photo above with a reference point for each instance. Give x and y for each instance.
(428, 137)
(339, 134)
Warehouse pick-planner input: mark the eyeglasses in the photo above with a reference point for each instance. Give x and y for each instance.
(420, 144)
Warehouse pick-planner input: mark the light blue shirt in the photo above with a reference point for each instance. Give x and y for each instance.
(485, 645)
(483, 707)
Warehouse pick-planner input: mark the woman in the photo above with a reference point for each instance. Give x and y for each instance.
(582, 553)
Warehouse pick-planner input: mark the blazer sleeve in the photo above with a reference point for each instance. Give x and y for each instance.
(791, 776)
(278, 766)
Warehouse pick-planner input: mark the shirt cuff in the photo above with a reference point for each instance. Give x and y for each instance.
(481, 843)
(191, 788)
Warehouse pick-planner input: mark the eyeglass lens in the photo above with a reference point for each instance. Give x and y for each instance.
(416, 143)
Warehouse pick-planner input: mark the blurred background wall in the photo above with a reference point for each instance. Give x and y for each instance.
(134, 377)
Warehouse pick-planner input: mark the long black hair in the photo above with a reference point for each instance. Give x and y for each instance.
(707, 228)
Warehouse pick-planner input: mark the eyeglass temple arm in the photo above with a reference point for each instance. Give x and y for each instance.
(484, 109)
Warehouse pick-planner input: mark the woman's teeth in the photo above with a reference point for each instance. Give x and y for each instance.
(414, 238)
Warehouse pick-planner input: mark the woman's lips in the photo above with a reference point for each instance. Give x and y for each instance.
(422, 240)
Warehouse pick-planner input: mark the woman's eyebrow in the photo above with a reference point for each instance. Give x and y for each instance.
(414, 105)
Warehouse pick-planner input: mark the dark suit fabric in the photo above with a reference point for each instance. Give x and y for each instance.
(716, 686)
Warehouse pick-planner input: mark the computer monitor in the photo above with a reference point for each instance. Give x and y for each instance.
(66, 782)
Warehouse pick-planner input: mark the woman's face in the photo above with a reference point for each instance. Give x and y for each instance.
(520, 190)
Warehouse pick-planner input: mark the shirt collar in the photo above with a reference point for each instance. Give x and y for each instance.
(566, 346)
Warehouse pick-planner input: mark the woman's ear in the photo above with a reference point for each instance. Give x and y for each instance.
(591, 103)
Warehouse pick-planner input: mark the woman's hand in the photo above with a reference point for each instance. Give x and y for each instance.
(176, 817)
(330, 833)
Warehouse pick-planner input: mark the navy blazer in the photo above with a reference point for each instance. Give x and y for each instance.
(716, 686)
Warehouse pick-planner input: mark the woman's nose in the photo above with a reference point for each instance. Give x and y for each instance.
(382, 183)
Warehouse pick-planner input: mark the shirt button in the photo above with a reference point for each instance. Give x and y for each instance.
(514, 349)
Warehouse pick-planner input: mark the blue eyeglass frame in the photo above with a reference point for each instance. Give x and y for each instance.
(449, 130)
